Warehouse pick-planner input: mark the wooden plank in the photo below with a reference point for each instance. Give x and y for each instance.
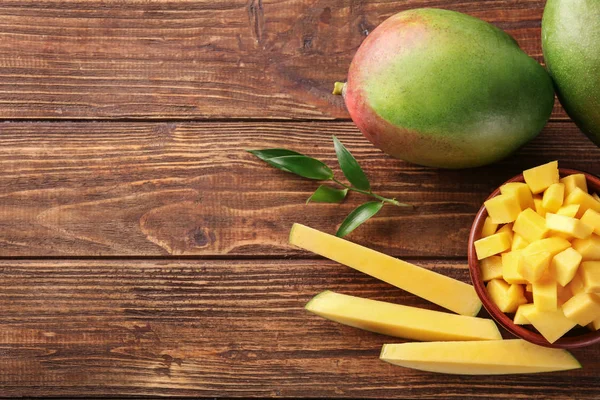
(219, 328)
(183, 59)
(157, 189)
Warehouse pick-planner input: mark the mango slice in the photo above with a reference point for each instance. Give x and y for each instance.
(493, 357)
(400, 321)
(446, 292)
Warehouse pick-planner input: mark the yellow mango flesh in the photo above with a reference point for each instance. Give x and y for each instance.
(590, 276)
(507, 297)
(520, 316)
(446, 292)
(492, 245)
(553, 245)
(564, 266)
(400, 321)
(573, 181)
(570, 210)
(518, 242)
(530, 226)
(510, 267)
(537, 201)
(491, 268)
(583, 308)
(585, 200)
(489, 227)
(553, 197)
(570, 226)
(534, 267)
(545, 295)
(503, 208)
(552, 325)
(521, 191)
(592, 218)
(541, 177)
(589, 248)
(490, 357)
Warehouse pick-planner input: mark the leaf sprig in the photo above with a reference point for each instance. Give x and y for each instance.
(311, 168)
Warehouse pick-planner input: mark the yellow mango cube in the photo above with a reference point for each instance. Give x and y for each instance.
(588, 248)
(521, 191)
(508, 228)
(563, 294)
(503, 208)
(545, 295)
(590, 276)
(569, 226)
(537, 201)
(535, 266)
(520, 318)
(564, 266)
(530, 226)
(585, 200)
(492, 245)
(552, 325)
(540, 178)
(576, 284)
(583, 308)
(491, 268)
(507, 297)
(518, 243)
(510, 267)
(592, 218)
(553, 245)
(489, 228)
(553, 197)
(570, 210)
(573, 181)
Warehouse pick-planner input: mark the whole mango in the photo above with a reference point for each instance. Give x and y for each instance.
(444, 89)
(571, 43)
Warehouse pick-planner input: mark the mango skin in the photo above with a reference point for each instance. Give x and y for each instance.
(444, 89)
(571, 44)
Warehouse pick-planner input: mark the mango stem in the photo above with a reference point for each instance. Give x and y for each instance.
(338, 88)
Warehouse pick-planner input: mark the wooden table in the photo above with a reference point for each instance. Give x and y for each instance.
(143, 252)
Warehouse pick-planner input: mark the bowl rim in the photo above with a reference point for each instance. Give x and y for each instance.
(571, 342)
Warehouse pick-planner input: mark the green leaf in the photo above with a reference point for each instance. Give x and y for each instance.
(350, 167)
(358, 216)
(267, 154)
(327, 194)
(304, 166)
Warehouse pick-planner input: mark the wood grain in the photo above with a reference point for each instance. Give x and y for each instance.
(218, 328)
(191, 189)
(182, 59)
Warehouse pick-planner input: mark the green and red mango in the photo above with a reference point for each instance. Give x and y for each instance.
(444, 89)
(571, 42)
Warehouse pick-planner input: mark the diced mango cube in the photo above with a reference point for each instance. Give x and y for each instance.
(570, 210)
(590, 275)
(503, 208)
(553, 245)
(576, 284)
(507, 297)
(535, 266)
(520, 318)
(491, 268)
(563, 295)
(530, 226)
(518, 243)
(551, 324)
(521, 191)
(573, 181)
(540, 178)
(553, 197)
(585, 200)
(510, 267)
(564, 265)
(588, 248)
(489, 228)
(583, 308)
(570, 226)
(537, 201)
(508, 228)
(592, 218)
(492, 245)
(545, 295)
